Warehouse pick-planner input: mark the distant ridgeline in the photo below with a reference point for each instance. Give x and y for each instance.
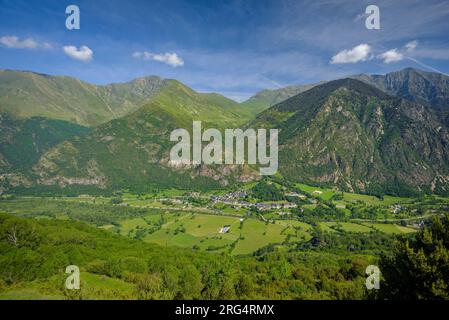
(369, 133)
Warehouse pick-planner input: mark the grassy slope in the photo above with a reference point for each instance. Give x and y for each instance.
(184, 105)
(28, 94)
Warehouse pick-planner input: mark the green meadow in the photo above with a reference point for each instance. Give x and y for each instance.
(322, 193)
(202, 231)
(257, 234)
(389, 228)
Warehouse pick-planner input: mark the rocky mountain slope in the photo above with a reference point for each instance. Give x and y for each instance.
(352, 135)
(427, 88)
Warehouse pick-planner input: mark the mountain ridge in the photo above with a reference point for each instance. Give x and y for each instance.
(415, 85)
(30, 94)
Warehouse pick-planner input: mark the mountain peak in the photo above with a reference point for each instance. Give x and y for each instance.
(428, 88)
(323, 91)
(409, 69)
(351, 84)
(147, 78)
(264, 99)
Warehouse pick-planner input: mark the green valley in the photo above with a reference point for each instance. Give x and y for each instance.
(361, 174)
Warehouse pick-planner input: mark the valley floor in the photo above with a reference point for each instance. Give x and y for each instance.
(257, 220)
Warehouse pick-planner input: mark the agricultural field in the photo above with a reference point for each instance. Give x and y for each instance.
(183, 229)
(364, 227)
(206, 232)
(257, 234)
(322, 193)
(389, 228)
(327, 194)
(325, 227)
(347, 226)
(374, 201)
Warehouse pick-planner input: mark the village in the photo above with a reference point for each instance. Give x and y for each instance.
(234, 199)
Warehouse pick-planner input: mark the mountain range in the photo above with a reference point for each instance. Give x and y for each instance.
(29, 94)
(368, 133)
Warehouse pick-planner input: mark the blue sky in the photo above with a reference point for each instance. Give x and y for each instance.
(232, 47)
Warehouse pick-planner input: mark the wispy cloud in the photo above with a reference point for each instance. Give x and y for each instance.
(308, 21)
(362, 52)
(411, 46)
(172, 59)
(248, 71)
(14, 42)
(84, 53)
(426, 66)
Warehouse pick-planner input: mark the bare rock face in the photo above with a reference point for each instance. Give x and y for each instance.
(14, 180)
(68, 181)
(428, 88)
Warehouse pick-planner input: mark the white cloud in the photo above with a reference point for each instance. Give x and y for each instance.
(137, 55)
(47, 45)
(362, 52)
(15, 43)
(392, 55)
(84, 53)
(411, 45)
(172, 59)
(395, 55)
